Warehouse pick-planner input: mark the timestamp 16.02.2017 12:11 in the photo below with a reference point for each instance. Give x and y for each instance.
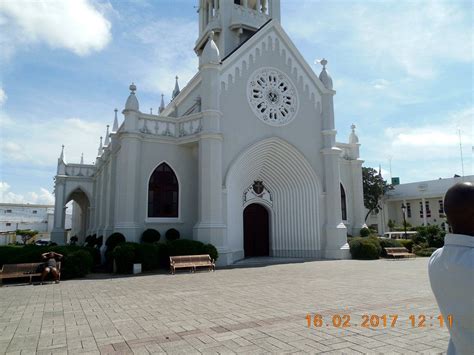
(378, 321)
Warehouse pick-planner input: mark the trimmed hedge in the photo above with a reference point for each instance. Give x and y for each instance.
(365, 248)
(172, 234)
(155, 256)
(150, 236)
(124, 255)
(77, 261)
(388, 243)
(425, 251)
(407, 243)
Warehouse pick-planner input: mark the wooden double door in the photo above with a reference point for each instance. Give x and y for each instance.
(256, 231)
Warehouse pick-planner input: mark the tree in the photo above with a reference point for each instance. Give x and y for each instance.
(374, 189)
(26, 234)
(391, 225)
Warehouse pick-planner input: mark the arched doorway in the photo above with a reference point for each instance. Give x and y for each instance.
(256, 231)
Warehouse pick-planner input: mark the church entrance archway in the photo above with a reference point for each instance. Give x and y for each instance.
(256, 231)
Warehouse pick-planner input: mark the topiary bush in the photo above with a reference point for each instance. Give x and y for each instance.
(150, 236)
(364, 232)
(124, 256)
(114, 240)
(172, 234)
(191, 247)
(388, 243)
(212, 251)
(365, 248)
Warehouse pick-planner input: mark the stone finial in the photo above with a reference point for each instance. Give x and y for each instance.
(99, 152)
(82, 158)
(162, 104)
(176, 90)
(61, 156)
(132, 101)
(115, 126)
(107, 138)
(210, 53)
(324, 76)
(353, 139)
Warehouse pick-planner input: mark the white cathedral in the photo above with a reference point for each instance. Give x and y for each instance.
(244, 157)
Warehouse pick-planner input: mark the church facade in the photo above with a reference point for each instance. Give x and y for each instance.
(244, 157)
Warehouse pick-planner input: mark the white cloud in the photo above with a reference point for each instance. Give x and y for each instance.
(40, 145)
(432, 141)
(76, 25)
(43, 196)
(169, 54)
(415, 37)
(3, 96)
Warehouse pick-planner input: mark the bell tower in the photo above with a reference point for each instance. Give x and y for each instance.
(233, 21)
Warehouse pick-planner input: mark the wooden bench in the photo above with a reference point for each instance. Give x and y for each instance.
(398, 252)
(192, 262)
(15, 271)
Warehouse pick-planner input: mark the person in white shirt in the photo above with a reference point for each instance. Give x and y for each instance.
(451, 269)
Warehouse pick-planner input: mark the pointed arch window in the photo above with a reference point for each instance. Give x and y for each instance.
(343, 204)
(163, 192)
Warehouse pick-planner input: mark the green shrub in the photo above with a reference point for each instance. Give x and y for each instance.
(407, 243)
(77, 261)
(365, 248)
(191, 247)
(212, 251)
(425, 251)
(388, 243)
(172, 234)
(433, 235)
(124, 256)
(150, 236)
(364, 232)
(114, 240)
(76, 264)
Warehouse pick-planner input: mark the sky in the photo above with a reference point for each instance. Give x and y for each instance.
(402, 69)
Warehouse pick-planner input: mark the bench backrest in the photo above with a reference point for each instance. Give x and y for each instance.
(23, 268)
(182, 259)
(396, 250)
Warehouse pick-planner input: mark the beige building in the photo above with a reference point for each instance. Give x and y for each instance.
(423, 201)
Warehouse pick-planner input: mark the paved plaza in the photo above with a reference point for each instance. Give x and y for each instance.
(244, 310)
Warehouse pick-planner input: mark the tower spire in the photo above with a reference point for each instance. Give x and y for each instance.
(61, 156)
(162, 104)
(176, 90)
(99, 152)
(115, 126)
(107, 138)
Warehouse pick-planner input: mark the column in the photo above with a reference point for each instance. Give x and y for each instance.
(126, 212)
(358, 210)
(58, 234)
(423, 206)
(335, 246)
(210, 227)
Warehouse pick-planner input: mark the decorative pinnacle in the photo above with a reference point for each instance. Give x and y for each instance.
(353, 127)
(133, 88)
(323, 63)
(62, 152)
(82, 158)
(115, 126)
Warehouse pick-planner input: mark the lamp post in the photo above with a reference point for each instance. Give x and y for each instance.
(404, 208)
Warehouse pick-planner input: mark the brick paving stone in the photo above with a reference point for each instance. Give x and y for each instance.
(247, 310)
